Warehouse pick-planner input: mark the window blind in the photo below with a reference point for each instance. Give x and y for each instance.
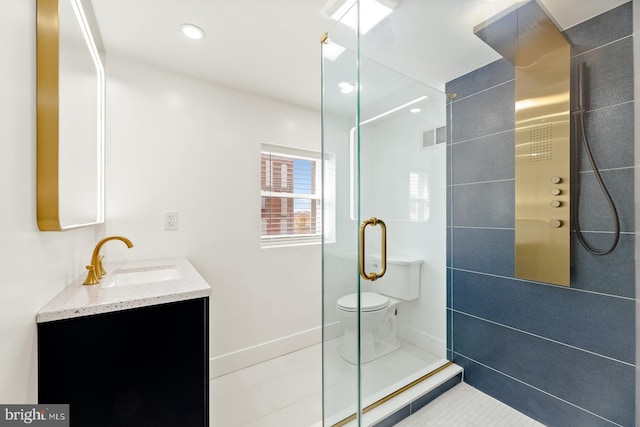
(290, 192)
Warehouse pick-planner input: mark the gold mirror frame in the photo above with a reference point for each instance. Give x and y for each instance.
(48, 116)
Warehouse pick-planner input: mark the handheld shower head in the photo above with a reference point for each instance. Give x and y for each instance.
(582, 86)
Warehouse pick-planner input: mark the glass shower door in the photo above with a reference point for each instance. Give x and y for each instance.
(402, 181)
(340, 277)
(384, 168)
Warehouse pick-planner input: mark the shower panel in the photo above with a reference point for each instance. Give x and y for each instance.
(525, 36)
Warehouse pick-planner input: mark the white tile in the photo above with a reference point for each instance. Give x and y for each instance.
(286, 387)
(286, 392)
(340, 397)
(230, 383)
(464, 406)
(303, 413)
(239, 408)
(293, 387)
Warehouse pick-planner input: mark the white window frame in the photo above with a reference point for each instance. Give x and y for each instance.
(280, 240)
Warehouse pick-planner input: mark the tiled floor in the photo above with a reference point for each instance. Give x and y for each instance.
(464, 406)
(287, 392)
(283, 392)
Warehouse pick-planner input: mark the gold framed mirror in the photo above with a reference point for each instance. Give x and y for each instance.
(70, 117)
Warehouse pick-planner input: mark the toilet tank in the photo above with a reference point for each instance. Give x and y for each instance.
(402, 279)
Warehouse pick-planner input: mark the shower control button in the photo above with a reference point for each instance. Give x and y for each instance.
(556, 180)
(555, 223)
(556, 192)
(556, 203)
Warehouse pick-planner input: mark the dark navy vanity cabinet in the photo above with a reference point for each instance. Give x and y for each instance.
(139, 367)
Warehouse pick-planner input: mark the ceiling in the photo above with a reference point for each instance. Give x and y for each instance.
(272, 47)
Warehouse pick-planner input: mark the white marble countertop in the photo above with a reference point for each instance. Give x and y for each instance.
(78, 300)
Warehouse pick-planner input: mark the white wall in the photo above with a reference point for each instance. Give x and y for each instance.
(391, 151)
(340, 257)
(176, 143)
(35, 266)
(256, 292)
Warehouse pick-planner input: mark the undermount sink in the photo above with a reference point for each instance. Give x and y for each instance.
(140, 275)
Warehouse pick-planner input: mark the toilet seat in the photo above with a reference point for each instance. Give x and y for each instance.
(369, 301)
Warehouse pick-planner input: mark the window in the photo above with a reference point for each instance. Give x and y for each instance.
(283, 176)
(419, 204)
(291, 205)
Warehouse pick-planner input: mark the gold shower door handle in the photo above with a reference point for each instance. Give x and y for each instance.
(383, 249)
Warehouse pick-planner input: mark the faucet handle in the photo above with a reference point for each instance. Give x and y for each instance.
(91, 276)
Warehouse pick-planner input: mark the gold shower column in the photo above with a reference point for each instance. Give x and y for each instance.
(543, 154)
(528, 38)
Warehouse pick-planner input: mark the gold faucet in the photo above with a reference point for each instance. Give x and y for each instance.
(96, 271)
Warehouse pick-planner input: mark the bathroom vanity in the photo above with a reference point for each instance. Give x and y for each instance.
(130, 351)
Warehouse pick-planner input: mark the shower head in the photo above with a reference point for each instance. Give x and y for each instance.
(521, 33)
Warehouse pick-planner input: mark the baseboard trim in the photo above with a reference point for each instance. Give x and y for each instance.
(240, 359)
(333, 330)
(424, 341)
(243, 358)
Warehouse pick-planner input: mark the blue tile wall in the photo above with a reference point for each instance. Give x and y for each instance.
(483, 249)
(497, 152)
(596, 323)
(535, 403)
(610, 69)
(610, 132)
(614, 275)
(564, 356)
(604, 386)
(395, 418)
(488, 204)
(608, 27)
(500, 98)
(594, 211)
(492, 75)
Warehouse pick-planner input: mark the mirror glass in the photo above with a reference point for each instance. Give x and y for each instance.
(70, 118)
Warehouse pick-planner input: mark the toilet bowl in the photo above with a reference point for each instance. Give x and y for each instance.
(378, 309)
(377, 326)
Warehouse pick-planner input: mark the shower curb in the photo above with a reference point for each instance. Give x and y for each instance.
(412, 400)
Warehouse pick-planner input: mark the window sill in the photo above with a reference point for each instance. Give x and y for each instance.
(274, 245)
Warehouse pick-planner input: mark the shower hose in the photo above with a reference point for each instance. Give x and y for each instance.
(580, 128)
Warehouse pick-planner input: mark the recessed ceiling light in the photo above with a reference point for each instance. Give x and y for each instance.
(415, 110)
(191, 31)
(371, 12)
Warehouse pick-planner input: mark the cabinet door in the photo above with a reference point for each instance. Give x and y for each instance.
(140, 367)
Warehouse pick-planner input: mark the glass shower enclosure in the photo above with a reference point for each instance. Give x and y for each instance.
(384, 216)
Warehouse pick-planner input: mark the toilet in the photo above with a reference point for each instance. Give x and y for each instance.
(378, 323)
